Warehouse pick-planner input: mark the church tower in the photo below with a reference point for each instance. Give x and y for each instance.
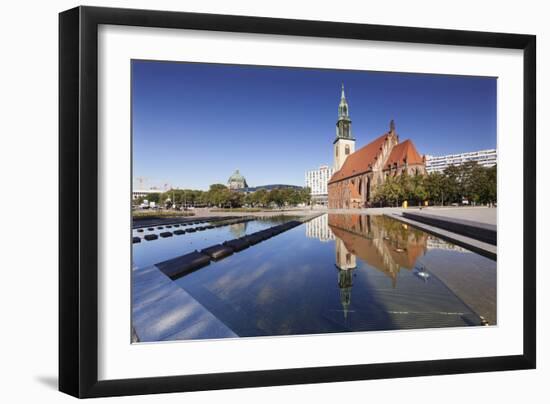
(344, 144)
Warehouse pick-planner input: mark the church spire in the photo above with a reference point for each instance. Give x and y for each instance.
(343, 108)
(344, 144)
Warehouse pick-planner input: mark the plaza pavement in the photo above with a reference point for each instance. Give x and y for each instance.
(476, 214)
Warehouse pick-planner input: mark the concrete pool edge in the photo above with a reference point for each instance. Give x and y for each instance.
(479, 247)
(162, 311)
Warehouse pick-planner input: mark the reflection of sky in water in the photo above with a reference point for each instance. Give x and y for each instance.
(346, 273)
(152, 252)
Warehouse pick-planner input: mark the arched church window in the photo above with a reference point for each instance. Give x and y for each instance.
(336, 151)
(347, 150)
(360, 187)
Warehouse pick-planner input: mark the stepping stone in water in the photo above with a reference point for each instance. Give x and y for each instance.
(237, 244)
(166, 234)
(150, 237)
(140, 230)
(253, 239)
(217, 252)
(183, 265)
(178, 232)
(136, 240)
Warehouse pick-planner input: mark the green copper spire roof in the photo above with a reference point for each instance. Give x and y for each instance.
(343, 108)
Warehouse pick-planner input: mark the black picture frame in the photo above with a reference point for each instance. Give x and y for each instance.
(78, 196)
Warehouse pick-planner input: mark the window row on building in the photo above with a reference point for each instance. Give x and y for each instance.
(485, 158)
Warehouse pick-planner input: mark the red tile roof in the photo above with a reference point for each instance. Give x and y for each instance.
(404, 152)
(359, 162)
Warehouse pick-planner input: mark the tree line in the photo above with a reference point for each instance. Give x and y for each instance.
(469, 181)
(218, 195)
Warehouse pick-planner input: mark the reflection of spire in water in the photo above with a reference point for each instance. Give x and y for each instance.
(345, 282)
(238, 229)
(346, 262)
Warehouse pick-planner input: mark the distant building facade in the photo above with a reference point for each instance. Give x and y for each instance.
(143, 193)
(269, 187)
(236, 181)
(485, 158)
(317, 182)
(357, 174)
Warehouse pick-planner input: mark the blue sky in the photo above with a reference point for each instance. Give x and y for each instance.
(194, 124)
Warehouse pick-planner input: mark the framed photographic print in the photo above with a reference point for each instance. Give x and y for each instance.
(251, 201)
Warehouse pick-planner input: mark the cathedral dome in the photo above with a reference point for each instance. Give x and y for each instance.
(236, 181)
(236, 176)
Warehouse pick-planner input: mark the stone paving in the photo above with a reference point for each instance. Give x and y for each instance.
(162, 311)
(476, 214)
(481, 214)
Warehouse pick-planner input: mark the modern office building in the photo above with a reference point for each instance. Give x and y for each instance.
(485, 158)
(317, 181)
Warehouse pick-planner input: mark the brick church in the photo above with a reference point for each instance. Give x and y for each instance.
(358, 173)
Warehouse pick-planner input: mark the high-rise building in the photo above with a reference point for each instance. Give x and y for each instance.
(485, 158)
(317, 181)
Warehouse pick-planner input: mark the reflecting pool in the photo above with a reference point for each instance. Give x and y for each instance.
(152, 252)
(337, 273)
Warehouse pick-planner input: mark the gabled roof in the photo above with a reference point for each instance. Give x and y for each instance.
(359, 162)
(404, 152)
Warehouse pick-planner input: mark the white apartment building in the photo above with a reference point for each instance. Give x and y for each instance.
(317, 181)
(485, 158)
(318, 228)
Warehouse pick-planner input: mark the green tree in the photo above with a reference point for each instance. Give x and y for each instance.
(452, 184)
(434, 186)
(276, 197)
(418, 189)
(490, 192)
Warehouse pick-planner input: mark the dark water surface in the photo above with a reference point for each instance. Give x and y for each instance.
(336, 273)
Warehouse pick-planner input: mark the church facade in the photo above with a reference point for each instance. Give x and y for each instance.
(357, 174)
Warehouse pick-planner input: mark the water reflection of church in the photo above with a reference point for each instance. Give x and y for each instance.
(382, 243)
(378, 249)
